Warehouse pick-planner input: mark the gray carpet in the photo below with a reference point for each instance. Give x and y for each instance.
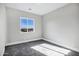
(25, 50)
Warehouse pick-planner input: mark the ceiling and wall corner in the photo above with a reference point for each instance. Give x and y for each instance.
(30, 10)
(36, 8)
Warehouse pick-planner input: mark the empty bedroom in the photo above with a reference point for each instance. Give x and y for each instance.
(39, 29)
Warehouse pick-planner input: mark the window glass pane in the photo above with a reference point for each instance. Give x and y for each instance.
(23, 23)
(30, 25)
(30, 22)
(26, 24)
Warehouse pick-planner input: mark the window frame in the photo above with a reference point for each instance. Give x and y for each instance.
(27, 18)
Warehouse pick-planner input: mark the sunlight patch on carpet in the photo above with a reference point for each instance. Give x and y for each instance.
(55, 48)
(46, 51)
(50, 50)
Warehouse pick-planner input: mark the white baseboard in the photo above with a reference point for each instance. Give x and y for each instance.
(60, 45)
(40, 39)
(22, 41)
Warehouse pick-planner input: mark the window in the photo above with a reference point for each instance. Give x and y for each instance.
(27, 24)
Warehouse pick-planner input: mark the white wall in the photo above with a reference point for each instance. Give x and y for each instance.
(2, 29)
(62, 26)
(14, 34)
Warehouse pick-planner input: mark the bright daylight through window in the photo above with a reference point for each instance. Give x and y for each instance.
(27, 24)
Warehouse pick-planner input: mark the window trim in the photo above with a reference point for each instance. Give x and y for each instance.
(28, 19)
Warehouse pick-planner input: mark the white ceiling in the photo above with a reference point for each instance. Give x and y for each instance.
(36, 8)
